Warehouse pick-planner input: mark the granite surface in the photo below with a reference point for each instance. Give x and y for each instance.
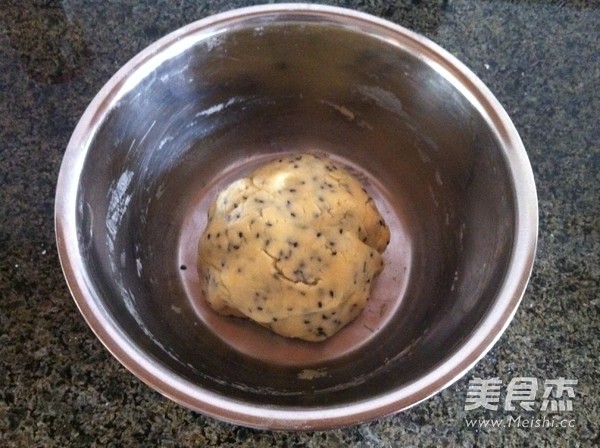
(60, 387)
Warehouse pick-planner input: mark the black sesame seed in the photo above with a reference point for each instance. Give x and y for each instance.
(259, 308)
(208, 236)
(324, 317)
(318, 234)
(341, 231)
(241, 234)
(334, 253)
(293, 215)
(183, 267)
(331, 292)
(320, 304)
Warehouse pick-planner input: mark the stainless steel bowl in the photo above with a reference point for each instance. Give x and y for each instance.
(210, 101)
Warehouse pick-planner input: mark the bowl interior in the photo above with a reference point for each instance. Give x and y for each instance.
(240, 95)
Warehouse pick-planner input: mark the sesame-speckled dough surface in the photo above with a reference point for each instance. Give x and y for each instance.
(294, 246)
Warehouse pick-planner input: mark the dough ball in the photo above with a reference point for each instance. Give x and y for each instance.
(295, 247)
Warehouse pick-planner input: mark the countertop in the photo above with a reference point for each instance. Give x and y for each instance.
(60, 387)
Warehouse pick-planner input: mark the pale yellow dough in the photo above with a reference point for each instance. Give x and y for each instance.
(295, 247)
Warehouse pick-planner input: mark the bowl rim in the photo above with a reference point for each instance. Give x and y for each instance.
(157, 376)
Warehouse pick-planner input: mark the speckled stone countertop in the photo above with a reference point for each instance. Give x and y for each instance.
(60, 387)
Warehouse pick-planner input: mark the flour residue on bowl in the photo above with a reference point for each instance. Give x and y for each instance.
(217, 107)
(384, 99)
(311, 374)
(119, 200)
(347, 113)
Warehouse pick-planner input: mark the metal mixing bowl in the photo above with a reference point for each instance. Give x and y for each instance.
(208, 103)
